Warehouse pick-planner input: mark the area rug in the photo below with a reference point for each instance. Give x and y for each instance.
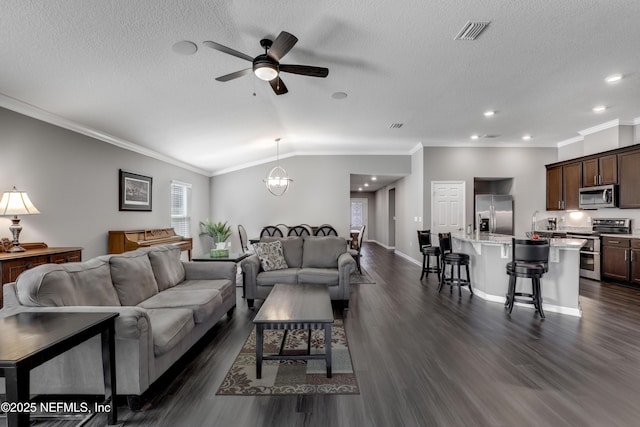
(357, 278)
(287, 377)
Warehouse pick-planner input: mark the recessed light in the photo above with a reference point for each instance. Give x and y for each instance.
(366, 184)
(185, 47)
(373, 178)
(613, 78)
(339, 95)
(489, 113)
(526, 137)
(475, 136)
(359, 188)
(599, 108)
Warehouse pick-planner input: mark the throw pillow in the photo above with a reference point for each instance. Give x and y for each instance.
(271, 255)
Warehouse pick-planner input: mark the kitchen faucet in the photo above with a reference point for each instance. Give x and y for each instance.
(533, 221)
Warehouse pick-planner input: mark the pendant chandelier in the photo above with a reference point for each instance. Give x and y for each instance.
(277, 181)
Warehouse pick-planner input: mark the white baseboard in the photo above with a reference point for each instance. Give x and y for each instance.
(381, 244)
(407, 257)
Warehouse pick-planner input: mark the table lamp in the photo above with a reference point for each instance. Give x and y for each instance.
(16, 203)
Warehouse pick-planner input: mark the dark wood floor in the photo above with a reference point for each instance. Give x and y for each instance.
(429, 359)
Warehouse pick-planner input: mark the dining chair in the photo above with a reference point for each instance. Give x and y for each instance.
(356, 253)
(271, 231)
(243, 238)
(326, 230)
(283, 228)
(298, 230)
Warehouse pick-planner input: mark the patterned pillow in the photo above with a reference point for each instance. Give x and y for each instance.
(271, 255)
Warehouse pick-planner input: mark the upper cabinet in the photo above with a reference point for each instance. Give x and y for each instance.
(600, 171)
(629, 179)
(563, 183)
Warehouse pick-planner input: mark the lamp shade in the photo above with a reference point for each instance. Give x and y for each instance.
(16, 202)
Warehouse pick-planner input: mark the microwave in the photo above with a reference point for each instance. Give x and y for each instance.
(603, 196)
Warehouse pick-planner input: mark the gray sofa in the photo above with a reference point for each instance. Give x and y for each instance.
(165, 306)
(310, 259)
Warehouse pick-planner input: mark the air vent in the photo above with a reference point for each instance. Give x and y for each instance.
(472, 30)
(491, 135)
(395, 125)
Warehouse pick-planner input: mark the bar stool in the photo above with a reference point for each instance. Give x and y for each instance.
(428, 251)
(453, 259)
(529, 259)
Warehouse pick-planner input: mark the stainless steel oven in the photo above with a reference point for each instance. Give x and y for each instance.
(589, 254)
(590, 261)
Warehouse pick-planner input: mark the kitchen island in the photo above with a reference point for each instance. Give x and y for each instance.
(490, 253)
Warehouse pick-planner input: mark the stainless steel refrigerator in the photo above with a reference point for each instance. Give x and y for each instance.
(494, 213)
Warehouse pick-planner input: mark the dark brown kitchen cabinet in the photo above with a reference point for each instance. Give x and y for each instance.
(629, 179)
(563, 183)
(600, 171)
(616, 258)
(554, 188)
(635, 261)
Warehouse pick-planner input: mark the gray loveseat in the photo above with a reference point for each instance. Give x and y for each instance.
(165, 306)
(310, 259)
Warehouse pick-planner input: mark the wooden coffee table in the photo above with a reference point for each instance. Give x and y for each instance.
(295, 306)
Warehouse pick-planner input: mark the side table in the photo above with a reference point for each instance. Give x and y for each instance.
(56, 333)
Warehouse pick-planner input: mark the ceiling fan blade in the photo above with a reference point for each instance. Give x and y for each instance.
(305, 70)
(278, 86)
(235, 75)
(227, 50)
(282, 44)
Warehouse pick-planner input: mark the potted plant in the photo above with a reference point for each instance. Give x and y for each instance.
(219, 232)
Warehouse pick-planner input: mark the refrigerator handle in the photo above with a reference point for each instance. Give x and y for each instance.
(492, 212)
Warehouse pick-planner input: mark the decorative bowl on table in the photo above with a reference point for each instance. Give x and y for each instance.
(219, 253)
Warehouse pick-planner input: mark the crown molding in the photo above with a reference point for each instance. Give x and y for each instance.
(570, 141)
(307, 153)
(600, 127)
(30, 110)
(415, 149)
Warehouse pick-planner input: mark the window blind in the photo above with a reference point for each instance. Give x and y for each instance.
(181, 208)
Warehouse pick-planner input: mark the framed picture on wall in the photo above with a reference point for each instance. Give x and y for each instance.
(135, 191)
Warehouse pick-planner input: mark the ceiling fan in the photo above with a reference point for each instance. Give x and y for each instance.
(267, 66)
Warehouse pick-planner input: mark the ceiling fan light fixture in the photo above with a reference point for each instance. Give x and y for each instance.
(265, 71)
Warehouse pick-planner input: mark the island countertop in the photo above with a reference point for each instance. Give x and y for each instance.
(503, 239)
(489, 253)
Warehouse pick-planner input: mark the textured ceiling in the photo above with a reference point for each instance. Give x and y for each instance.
(107, 67)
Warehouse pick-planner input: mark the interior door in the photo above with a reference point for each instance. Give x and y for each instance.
(447, 206)
(360, 215)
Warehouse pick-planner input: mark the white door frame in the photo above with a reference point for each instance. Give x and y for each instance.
(464, 203)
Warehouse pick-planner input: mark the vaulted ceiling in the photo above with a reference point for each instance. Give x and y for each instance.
(108, 68)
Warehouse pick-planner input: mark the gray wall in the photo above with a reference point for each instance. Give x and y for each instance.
(409, 206)
(320, 192)
(73, 181)
(525, 165)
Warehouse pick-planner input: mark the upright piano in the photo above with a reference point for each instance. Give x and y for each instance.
(128, 240)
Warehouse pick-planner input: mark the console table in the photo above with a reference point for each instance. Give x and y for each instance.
(12, 264)
(29, 339)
